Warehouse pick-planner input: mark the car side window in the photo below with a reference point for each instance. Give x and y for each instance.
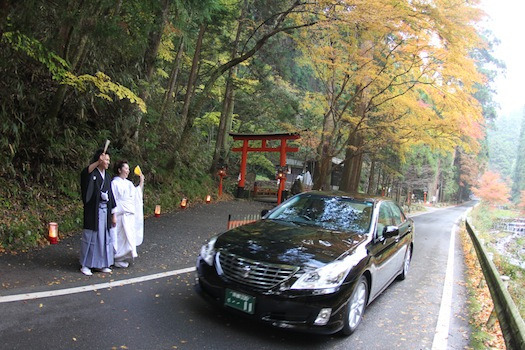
(363, 220)
(397, 214)
(384, 219)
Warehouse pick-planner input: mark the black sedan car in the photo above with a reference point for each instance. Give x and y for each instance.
(311, 264)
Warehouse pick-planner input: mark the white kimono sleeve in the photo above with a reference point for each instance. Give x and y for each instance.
(139, 216)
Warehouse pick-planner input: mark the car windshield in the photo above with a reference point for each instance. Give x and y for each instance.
(331, 213)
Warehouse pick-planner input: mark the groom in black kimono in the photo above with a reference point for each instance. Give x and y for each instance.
(96, 246)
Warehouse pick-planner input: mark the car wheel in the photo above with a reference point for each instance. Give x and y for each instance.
(406, 264)
(355, 307)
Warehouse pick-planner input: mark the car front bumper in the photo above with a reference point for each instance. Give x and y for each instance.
(283, 311)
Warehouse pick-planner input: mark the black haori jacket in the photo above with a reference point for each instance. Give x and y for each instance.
(91, 184)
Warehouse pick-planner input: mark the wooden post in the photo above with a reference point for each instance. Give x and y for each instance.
(282, 164)
(240, 187)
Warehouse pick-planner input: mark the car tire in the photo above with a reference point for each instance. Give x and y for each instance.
(406, 264)
(355, 307)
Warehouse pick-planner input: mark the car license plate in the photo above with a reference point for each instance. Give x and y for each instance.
(239, 301)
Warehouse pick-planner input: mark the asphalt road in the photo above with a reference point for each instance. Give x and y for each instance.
(165, 313)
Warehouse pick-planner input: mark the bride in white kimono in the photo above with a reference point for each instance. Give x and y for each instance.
(129, 231)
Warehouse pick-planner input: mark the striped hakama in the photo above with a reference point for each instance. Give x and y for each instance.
(96, 249)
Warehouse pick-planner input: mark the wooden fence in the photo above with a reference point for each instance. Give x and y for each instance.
(238, 220)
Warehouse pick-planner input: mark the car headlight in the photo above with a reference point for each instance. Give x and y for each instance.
(325, 279)
(208, 251)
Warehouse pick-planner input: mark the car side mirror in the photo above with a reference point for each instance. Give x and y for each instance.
(390, 231)
(264, 212)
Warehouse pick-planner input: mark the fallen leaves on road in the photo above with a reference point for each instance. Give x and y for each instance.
(480, 302)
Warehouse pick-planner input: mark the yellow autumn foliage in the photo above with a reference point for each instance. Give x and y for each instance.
(104, 88)
(399, 73)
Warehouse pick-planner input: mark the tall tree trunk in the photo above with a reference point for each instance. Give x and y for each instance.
(435, 181)
(380, 180)
(355, 175)
(4, 13)
(150, 55)
(352, 173)
(154, 40)
(230, 96)
(354, 154)
(518, 176)
(347, 170)
(84, 26)
(173, 78)
(352, 164)
(118, 6)
(322, 177)
(221, 144)
(60, 94)
(371, 175)
(187, 123)
(386, 184)
(6, 8)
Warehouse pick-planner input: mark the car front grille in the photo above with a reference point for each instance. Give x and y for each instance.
(256, 274)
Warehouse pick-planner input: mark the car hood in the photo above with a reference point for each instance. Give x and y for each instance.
(287, 243)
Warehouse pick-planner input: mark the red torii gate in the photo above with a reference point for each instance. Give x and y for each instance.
(282, 149)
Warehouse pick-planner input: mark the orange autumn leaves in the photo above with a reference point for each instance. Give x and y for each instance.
(492, 189)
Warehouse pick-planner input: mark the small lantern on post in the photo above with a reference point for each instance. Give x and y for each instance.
(208, 199)
(281, 177)
(157, 211)
(281, 173)
(184, 203)
(53, 233)
(221, 173)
